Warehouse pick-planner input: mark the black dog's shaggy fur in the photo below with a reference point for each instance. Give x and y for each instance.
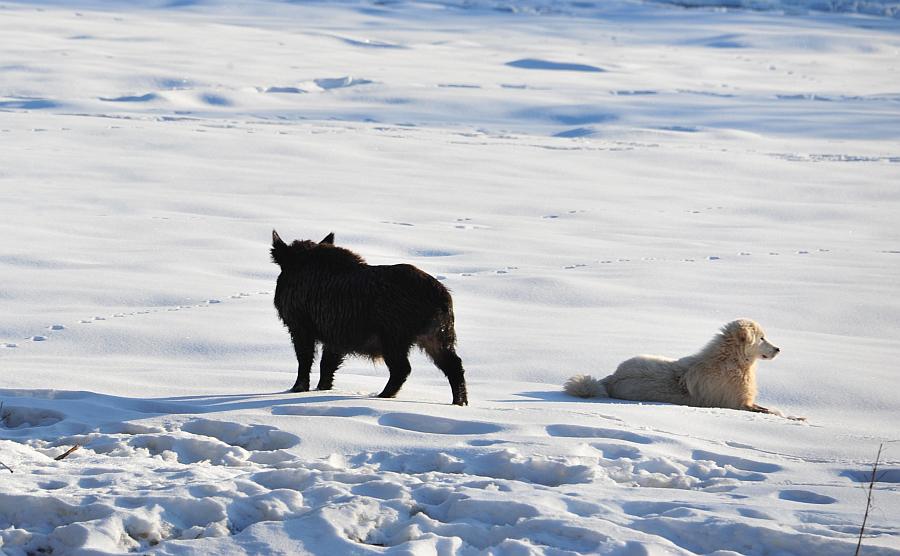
(329, 295)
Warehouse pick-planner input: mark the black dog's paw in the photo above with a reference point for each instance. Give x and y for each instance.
(299, 388)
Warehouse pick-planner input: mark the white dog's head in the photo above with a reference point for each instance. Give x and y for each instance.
(750, 336)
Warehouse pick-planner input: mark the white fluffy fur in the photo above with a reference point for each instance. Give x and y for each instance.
(585, 386)
(722, 374)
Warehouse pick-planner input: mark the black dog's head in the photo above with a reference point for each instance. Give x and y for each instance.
(301, 251)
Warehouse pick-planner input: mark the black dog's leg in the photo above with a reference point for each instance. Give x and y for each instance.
(398, 365)
(330, 362)
(305, 349)
(450, 363)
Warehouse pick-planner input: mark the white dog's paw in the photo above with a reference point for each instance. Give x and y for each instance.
(780, 413)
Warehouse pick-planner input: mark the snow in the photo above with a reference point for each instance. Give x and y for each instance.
(591, 180)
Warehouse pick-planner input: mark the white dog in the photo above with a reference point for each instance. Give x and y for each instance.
(722, 374)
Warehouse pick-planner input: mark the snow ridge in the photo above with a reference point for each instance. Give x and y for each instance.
(166, 484)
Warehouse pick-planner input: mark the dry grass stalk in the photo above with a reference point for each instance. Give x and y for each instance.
(872, 482)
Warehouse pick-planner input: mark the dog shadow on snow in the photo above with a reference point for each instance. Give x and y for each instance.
(560, 396)
(213, 403)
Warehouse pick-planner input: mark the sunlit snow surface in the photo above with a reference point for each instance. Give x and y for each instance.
(591, 180)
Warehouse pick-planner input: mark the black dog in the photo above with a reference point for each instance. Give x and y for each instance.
(329, 295)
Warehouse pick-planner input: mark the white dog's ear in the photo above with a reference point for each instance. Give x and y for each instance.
(736, 331)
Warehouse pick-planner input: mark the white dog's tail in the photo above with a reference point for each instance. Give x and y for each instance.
(585, 386)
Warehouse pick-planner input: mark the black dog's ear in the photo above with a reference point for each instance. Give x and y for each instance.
(279, 249)
(329, 239)
(276, 239)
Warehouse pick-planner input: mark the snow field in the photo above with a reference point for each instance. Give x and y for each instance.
(172, 482)
(591, 182)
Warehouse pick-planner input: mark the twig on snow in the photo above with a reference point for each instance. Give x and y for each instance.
(65, 454)
(8, 468)
(872, 482)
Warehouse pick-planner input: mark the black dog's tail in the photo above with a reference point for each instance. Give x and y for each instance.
(446, 325)
(440, 334)
(439, 342)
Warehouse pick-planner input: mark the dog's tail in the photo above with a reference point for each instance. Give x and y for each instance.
(585, 386)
